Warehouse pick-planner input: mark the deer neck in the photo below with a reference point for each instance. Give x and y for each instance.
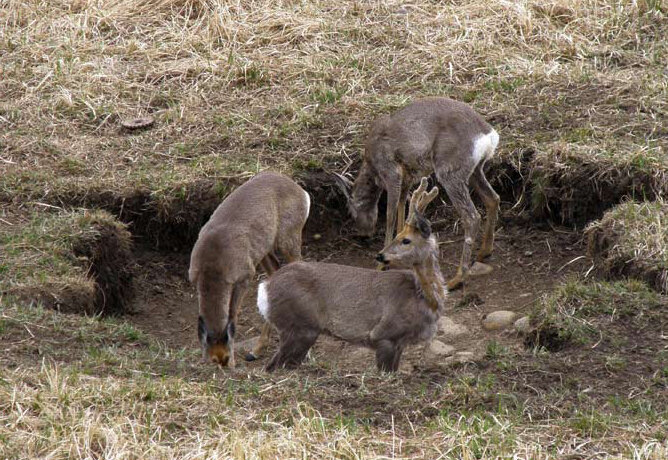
(431, 283)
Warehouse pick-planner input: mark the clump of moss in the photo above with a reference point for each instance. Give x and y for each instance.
(76, 262)
(632, 240)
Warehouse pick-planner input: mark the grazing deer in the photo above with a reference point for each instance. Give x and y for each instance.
(262, 217)
(383, 310)
(430, 135)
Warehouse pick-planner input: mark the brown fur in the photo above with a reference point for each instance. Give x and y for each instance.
(382, 310)
(429, 135)
(263, 217)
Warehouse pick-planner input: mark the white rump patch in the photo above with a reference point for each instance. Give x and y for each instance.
(484, 146)
(263, 300)
(308, 204)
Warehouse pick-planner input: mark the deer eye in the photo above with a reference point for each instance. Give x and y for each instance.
(405, 241)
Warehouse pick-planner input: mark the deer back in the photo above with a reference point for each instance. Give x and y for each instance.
(247, 224)
(410, 135)
(347, 302)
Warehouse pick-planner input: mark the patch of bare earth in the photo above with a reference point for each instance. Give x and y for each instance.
(526, 262)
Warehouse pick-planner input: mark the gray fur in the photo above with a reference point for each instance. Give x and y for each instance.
(260, 218)
(429, 135)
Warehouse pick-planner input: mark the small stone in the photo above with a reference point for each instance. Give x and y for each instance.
(498, 320)
(450, 330)
(480, 269)
(528, 253)
(522, 325)
(438, 348)
(317, 236)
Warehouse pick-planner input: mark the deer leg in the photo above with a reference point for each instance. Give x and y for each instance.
(491, 201)
(238, 292)
(401, 212)
(294, 346)
(292, 252)
(459, 194)
(397, 357)
(386, 356)
(270, 265)
(393, 194)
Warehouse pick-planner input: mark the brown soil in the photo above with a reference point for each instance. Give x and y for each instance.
(526, 262)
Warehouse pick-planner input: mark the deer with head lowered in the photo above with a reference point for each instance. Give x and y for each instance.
(383, 310)
(260, 219)
(437, 135)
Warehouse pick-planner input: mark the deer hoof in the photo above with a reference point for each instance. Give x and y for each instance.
(455, 283)
(483, 255)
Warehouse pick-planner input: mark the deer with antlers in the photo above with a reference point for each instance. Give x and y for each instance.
(437, 135)
(383, 310)
(260, 219)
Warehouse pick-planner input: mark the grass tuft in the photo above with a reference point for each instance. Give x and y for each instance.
(632, 240)
(76, 261)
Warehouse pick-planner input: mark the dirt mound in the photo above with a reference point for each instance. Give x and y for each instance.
(631, 240)
(75, 262)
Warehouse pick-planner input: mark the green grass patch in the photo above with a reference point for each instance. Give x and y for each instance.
(77, 261)
(632, 240)
(578, 313)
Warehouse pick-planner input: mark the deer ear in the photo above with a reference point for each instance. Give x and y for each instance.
(201, 330)
(424, 226)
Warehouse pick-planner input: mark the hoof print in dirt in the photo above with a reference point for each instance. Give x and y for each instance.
(498, 320)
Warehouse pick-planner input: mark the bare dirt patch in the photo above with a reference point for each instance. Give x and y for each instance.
(527, 263)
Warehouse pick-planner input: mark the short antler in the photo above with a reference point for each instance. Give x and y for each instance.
(420, 199)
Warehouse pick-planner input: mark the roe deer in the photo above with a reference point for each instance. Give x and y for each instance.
(430, 135)
(263, 216)
(383, 310)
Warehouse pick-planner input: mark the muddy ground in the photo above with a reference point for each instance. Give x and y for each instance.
(527, 262)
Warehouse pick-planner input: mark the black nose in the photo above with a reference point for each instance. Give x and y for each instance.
(380, 257)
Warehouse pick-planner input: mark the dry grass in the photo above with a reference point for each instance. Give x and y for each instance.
(632, 240)
(581, 313)
(73, 261)
(236, 87)
(103, 390)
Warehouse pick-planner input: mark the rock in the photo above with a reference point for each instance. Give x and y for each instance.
(438, 348)
(522, 325)
(498, 320)
(479, 269)
(450, 330)
(317, 236)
